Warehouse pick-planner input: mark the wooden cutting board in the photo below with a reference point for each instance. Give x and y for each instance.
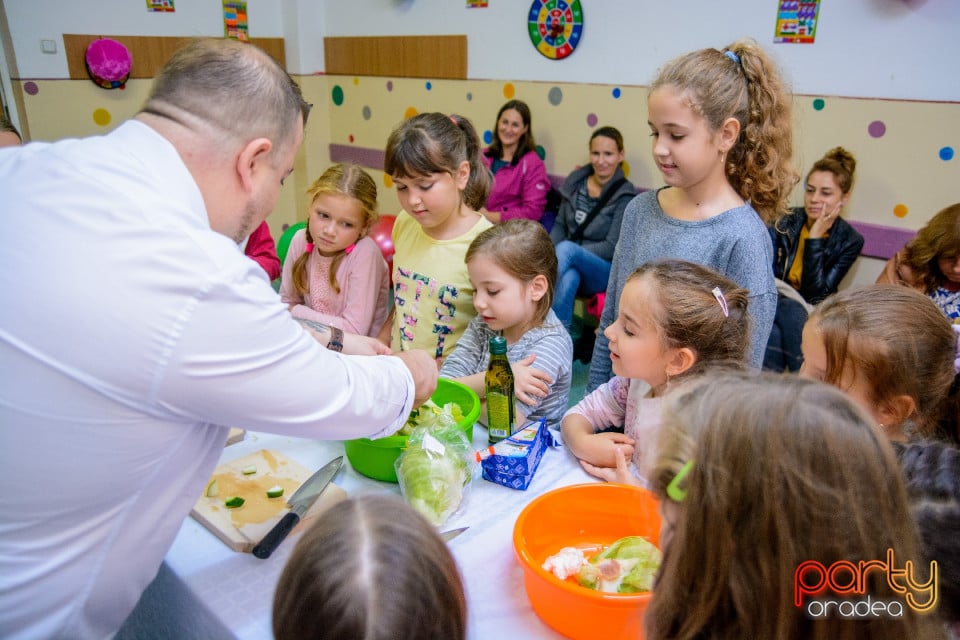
(242, 528)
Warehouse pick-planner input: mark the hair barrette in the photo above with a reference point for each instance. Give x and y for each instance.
(453, 120)
(722, 300)
(732, 56)
(674, 491)
(309, 247)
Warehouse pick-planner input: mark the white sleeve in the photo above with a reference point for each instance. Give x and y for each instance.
(237, 358)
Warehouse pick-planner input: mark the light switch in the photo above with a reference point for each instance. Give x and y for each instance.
(48, 46)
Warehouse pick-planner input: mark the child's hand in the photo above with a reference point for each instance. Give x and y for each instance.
(358, 345)
(530, 384)
(620, 474)
(599, 449)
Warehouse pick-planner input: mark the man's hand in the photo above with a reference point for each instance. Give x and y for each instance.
(357, 345)
(424, 370)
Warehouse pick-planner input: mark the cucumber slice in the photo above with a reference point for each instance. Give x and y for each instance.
(249, 471)
(212, 490)
(233, 502)
(275, 492)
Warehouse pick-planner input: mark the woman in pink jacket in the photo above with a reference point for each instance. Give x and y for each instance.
(520, 182)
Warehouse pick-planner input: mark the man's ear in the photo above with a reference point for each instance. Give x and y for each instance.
(538, 287)
(683, 358)
(729, 132)
(254, 156)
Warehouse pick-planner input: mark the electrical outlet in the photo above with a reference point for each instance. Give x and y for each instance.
(48, 46)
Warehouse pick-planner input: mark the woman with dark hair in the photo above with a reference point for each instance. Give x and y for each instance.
(520, 182)
(588, 223)
(814, 249)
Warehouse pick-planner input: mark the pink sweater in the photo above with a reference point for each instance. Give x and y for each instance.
(520, 191)
(362, 304)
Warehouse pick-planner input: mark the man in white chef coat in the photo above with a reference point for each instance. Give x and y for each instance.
(133, 330)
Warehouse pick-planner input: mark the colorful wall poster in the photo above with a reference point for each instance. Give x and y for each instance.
(235, 20)
(797, 21)
(476, 4)
(160, 6)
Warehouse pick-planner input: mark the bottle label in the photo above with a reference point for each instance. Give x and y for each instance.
(499, 422)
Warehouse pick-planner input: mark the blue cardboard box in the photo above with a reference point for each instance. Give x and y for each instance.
(513, 461)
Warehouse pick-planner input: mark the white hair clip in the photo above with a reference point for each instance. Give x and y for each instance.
(722, 300)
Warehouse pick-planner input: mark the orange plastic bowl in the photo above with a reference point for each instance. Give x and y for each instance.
(584, 515)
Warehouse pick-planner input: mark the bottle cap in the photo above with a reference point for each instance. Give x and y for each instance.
(498, 345)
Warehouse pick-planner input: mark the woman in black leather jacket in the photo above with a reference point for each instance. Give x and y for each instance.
(813, 250)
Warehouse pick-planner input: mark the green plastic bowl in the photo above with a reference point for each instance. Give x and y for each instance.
(375, 458)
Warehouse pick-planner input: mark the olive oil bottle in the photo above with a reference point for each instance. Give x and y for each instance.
(501, 405)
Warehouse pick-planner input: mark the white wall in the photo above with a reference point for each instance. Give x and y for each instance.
(31, 21)
(900, 49)
(903, 49)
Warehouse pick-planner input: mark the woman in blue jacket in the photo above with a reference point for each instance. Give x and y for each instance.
(814, 249)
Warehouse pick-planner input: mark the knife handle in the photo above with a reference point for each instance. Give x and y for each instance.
(276, 535)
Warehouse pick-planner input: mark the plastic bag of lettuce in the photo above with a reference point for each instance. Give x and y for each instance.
(435, 469)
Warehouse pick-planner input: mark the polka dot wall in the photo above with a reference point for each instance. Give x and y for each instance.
(906, 151)
(881, 134)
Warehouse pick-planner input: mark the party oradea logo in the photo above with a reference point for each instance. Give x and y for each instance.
(841, 589)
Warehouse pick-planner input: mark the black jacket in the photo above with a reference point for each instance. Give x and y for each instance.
(825, 260)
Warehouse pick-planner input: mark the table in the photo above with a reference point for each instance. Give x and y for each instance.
(206, 590)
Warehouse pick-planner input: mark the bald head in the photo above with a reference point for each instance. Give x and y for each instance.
(231, 88)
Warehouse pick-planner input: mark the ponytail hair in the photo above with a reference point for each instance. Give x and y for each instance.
(698, 309)
(742, 82)
(436, 143)
(342, 180)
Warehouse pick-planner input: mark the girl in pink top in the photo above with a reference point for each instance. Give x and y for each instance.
(333, 272)
(676, 319)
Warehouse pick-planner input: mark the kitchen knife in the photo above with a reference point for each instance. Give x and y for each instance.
(453, 533)
(301, 500)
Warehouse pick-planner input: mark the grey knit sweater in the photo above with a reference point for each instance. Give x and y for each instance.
(735, 244)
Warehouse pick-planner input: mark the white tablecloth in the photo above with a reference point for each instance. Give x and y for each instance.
(206, 590)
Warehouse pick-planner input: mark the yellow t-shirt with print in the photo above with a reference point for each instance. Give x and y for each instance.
(432, 294)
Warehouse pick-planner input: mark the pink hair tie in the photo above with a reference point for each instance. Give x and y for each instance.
(309, 247)
(350, 248)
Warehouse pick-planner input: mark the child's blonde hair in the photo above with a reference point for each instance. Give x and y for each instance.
(371, 567)
(897, 340)
(688, 312)
(437, 143)
(742, 82)
(344, 180)
(522, 248)
(782, 471)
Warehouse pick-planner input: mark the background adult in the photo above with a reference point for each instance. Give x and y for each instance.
(814, 249)
(9, 136)
(930, 263)
(142, 332)
(261, 248)
(588, 222)
(520, 182)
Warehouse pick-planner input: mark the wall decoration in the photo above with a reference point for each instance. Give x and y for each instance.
(108, 63)
(797, 21)
(555, 26)
(160, 6)
(476, 4)
(235, 20)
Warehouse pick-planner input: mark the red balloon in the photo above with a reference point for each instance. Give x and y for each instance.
(381, 233)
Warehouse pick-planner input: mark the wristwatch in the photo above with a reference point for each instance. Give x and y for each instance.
(336, 339)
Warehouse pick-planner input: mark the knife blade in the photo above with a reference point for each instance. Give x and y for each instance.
(299, 503)
(453, 533)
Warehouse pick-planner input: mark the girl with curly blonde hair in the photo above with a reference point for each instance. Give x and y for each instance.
(721, 129)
